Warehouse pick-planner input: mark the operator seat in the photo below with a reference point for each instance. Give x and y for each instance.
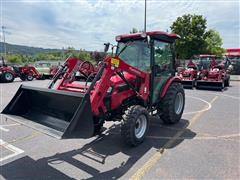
(191, 65)
(213, 63)
(16, 69)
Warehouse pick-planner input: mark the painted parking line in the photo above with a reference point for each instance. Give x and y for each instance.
(8, 125)
(202, 137)
(2, 126)
(15, 151)
(157, 156)
(3, 129)
(208, 106)
(226, 95)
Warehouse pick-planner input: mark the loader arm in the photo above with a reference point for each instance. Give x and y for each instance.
(34, 71)
(113, 66)
(72, 67)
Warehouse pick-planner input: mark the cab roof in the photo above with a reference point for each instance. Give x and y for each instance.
(159, 35)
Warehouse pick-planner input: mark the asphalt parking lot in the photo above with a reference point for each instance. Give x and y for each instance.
(205, 144)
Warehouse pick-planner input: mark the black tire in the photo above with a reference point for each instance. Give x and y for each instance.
(23, 77)
(98, 126)
(41, 77)
(30, 77)
(172, 105)
(227, 82)
(8, 77)
(134, 125)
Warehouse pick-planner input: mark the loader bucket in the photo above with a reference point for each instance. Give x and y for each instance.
(188, 84)
(214, 85)
(60, 114)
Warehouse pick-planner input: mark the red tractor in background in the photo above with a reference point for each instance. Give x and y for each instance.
(136, 82)
(214, 77)
(233, 55)
(189, 75)
(85, 69)
(9, 73)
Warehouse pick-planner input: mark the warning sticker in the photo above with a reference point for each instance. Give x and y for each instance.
(115, 62)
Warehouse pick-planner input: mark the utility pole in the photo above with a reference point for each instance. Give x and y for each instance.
(145, 17)
(5, 47)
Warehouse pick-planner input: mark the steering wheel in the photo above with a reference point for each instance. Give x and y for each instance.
(86, 68)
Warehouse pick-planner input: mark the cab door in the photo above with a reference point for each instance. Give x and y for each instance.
(163, 67)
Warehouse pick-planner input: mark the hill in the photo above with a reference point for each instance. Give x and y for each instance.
(26, 50)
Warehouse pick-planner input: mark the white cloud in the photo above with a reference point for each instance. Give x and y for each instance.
(88, 24)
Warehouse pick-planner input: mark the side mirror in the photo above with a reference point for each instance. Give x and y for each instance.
(106, 47)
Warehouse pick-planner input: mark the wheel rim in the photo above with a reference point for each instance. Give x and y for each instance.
(178, 103)
(140, 126)
(30, 77)
(8, 76)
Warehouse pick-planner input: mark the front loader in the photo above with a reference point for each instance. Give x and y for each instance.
(136, 82)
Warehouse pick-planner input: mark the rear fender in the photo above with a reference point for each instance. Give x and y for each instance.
(168, 83)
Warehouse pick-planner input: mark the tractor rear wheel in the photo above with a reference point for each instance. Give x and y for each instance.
(134, 125)
(172, 105)
(8, 77)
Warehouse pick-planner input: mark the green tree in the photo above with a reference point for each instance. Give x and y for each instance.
(213, 42)
(191, 28)
(15, 58)
(48, 56)
(134, 30)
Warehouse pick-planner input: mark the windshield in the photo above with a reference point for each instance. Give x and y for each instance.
(135, 53)
(203, 62)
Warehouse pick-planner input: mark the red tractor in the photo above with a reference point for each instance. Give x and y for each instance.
(233, 55)
(9, 73)
(138, 81)
(189, 75)
(85, 69)
(215, 77)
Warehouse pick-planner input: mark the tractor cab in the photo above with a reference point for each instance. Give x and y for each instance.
(146, 50)
(204, 61)
(151, 52)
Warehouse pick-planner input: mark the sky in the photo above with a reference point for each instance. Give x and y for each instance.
(87, 24)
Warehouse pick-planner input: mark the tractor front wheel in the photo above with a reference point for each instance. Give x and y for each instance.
(227, 82)
(30, 77)
(134, 125)
(172, 105)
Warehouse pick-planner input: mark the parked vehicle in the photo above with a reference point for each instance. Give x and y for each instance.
(189, 75)
(9, 73)
(233, 55)
(46, 68)
(214, 77)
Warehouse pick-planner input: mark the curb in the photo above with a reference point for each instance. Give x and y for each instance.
(235, 77)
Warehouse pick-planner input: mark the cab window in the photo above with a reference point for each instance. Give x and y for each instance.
(163, 57)
(136, 53)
